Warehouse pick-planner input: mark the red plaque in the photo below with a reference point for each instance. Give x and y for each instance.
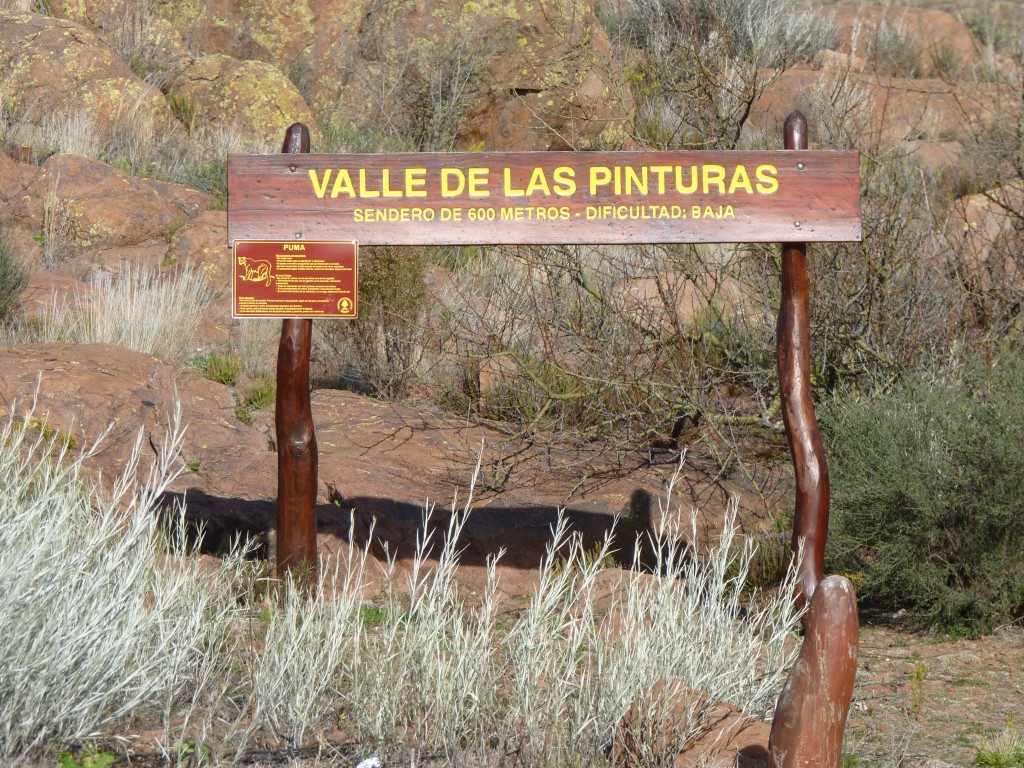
(295, 279)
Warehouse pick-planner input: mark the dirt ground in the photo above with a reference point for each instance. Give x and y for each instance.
(926, 701)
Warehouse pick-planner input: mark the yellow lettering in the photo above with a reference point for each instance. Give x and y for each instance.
(415, 180)
(633, 179)
(599, 177)
(447, 175)
(386, 185)
(565, 181)
(478, 178)
(712, 175)
(686, 189)
(319, 189)
(364, 191)
(660, 171)
(538, 183)
(767, 184)
(740, 179)
(343, 183)
(511, 191)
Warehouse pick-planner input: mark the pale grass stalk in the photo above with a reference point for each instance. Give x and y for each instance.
(310, 645)
(429, 671)
(58, 228)
(98, 618)
(139, 309)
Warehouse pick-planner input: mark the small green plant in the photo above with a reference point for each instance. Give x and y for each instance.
(1004, 751)
(189, 750)
(91, 757)
(184, 109)
(62, 440)
(771, 562)
(192, 465)
(261, 394)
(917, 679)
(176, 225)
(222, 368)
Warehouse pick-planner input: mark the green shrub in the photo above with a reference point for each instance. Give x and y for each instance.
(928, 488)
(222, 368)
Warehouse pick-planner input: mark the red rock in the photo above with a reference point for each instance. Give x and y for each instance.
(984, 233)
(51, 67)
(252, 99)
(543, 75)
(723, 735)
(944, 41)
(106, 207)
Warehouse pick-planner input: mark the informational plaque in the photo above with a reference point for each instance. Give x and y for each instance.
(482, 198)
(295, 279)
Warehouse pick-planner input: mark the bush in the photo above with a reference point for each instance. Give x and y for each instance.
(380, 350)
(928, 486)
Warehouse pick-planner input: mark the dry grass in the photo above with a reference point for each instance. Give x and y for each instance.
(139, 309)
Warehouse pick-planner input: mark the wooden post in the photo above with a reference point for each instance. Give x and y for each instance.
(296, 441)
(793, 344)
(810, 717)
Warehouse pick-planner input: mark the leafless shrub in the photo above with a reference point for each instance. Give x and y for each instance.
(382, 349)
(702, 63)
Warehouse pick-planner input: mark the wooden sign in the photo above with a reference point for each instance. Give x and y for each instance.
(546, 197)
(295, 279)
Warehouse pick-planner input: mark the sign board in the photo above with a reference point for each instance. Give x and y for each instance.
(546, 197)
(286, 279)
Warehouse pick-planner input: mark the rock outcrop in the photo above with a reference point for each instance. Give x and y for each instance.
(251, 99)
(104, 207)
(52, 68)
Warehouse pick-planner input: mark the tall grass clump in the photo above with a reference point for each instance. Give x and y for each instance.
(928, 494)
(139, 309)
(103, 612)
(434, 670)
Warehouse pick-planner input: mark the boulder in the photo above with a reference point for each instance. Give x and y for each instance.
(888, 110)
(985, 232)
(717, 734)
(15, 180)
(251, 99)
(104, 207)
(906, 40)
(154, 41)
(203, 242)
(663, 300)
(52, 67)
(274, 31)
(83, 392)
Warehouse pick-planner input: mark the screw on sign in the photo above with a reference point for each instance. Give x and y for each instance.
(556, 198)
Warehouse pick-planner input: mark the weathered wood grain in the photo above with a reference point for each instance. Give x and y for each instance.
(546, 197)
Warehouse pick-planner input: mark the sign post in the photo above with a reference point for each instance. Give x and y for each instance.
(286, 208)
(293, 416)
